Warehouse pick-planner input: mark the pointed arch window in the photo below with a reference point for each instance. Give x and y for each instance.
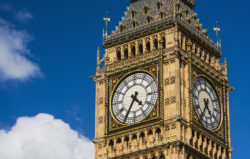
(162, 14)
(122, 28)
(163, 42)
(127, 140)
(146, 10)
(118, 55)
(111, 144)
(149, 19)
(133, 51)
(133, 14)
(156, 44)
(148, 46)
(134, 24)
(159, 5)
(126, 53)
(140, 48)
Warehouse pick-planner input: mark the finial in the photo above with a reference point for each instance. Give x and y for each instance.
(106, 19)
(98, 58)
(217, 30)
(225, 66)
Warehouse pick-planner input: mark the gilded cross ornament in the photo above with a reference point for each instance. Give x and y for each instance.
(217, 30)
(106, 19)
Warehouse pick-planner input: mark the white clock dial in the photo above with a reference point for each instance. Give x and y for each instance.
(206, 104)
(134, 98)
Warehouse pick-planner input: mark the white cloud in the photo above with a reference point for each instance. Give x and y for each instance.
(14, 61)
(23, 16)
(43, 137)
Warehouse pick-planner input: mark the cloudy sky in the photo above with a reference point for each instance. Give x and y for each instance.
(48, 51)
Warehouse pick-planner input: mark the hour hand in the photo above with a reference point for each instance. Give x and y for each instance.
(206, 101)
(134, 97)
(139, 102)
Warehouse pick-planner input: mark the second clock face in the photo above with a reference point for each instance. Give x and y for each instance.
(134, 98)
(206, 104)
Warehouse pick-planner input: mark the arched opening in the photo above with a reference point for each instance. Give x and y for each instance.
(142, 136)
(148, 19)
(162, 15)
(146, 9)
(134, 137)
(118, 141)
(134, 24)
(111, 144)
(156, 44)
(163, 42)
(133, 14)
(126, 53)
(148, 46)
(153, 157)
(158, 132)
(162, 156)
(118, 55)
(140, 48)
(126, 139)
(133, 51)
(122, 28)
(150, 132)
(158, 5)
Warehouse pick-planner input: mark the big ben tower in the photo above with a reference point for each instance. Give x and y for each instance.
(161, 92)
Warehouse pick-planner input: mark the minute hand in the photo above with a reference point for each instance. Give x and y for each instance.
(134, 97)
(129, 110)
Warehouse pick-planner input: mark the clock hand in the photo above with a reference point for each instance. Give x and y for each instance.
(206, 106)
(132, 103)
(204, 110)
(135, 98)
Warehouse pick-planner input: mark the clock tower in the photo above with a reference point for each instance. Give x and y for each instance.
(161, 92)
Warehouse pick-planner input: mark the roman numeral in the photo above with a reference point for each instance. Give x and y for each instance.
(121, 110)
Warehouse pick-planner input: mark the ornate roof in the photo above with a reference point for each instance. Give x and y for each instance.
(144, 12)
(143, 15)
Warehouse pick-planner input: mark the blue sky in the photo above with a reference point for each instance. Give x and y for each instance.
(60, 40)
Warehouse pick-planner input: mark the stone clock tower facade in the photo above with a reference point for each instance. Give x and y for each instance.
(161, 92)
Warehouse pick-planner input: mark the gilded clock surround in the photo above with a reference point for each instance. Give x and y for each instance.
(183, 53)
(113, 124)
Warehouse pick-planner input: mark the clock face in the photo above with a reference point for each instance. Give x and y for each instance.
(206, 104)
(134, 98)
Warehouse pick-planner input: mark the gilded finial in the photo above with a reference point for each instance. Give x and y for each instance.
(217, 30)
(106, 19)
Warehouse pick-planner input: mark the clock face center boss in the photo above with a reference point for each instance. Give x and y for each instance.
(134, 98)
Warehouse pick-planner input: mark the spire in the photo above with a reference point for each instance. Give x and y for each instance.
(98, 58)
